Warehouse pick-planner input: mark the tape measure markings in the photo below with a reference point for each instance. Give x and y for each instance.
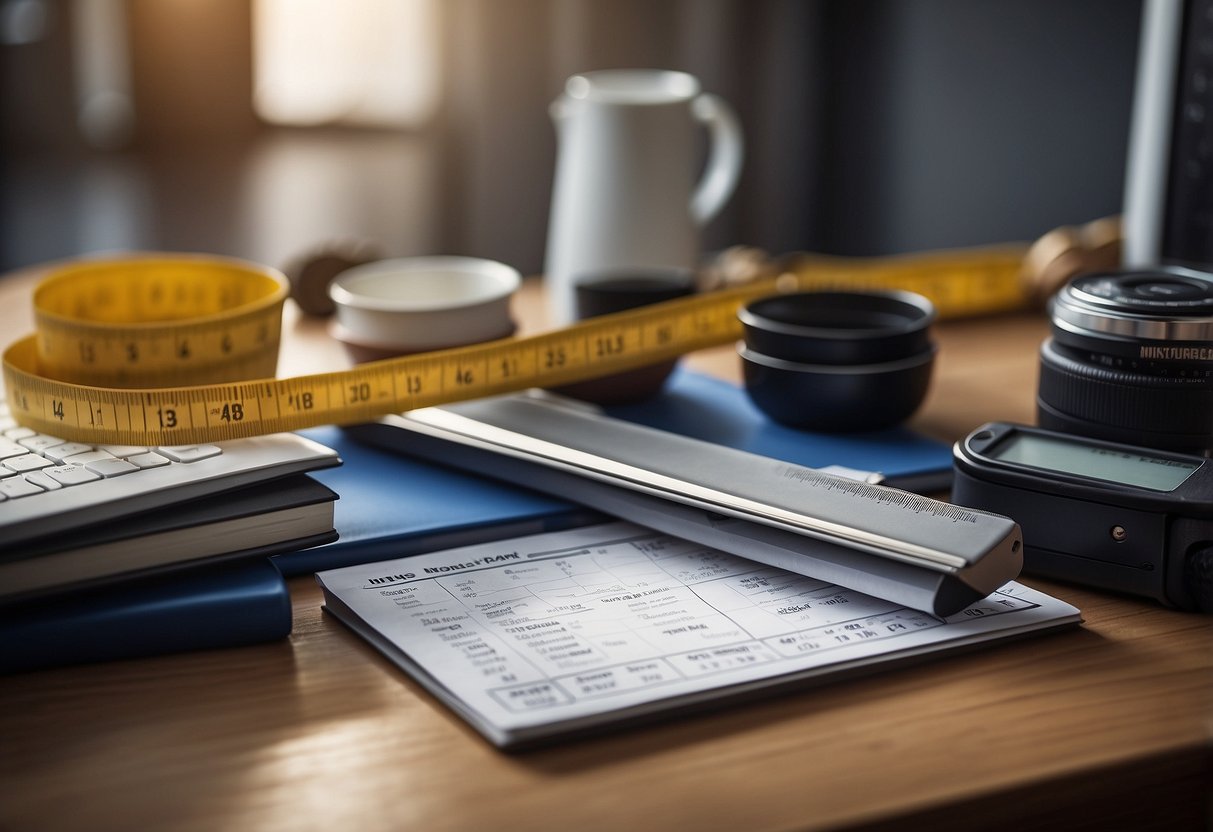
(239, 337)
(137, 322)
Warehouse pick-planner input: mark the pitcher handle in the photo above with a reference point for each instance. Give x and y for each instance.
(724, 158)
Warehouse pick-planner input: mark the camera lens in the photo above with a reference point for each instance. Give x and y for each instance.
(1131, 359)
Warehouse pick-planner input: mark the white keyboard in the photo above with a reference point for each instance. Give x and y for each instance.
(50, 486)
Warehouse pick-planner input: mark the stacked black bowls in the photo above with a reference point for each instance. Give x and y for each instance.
(838, 361)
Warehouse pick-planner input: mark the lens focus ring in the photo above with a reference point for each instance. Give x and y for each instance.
(1161, 411)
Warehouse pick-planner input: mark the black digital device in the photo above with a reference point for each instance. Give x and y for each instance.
(1095, 512)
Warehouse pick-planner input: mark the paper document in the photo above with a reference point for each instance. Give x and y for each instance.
(541, 636)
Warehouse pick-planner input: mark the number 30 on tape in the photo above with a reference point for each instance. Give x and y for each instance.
(178, 349)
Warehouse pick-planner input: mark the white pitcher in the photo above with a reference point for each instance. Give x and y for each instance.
(625, 194)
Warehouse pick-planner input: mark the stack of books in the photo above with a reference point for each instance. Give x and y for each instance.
(139, 575)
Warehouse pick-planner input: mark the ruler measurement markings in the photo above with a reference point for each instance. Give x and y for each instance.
(915, 503)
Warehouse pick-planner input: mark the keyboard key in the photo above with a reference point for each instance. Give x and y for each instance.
(10, 448)
(110, 467)
(151, 459)
(85, 458)
(5, 471)
(39, 442)
(190, 453)
(122, 451)
(19, 487)
(62, 452)
(29, 462)
(19, 433)
(44, 482)
(70, 474)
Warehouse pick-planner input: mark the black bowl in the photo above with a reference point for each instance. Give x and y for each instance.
(833, 398)
(839, 327)
(615, 291)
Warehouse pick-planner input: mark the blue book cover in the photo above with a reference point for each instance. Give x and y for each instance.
(205, 607)
(393, 506)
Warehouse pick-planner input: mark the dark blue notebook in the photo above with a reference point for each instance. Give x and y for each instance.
(393, 506)
(218, 606)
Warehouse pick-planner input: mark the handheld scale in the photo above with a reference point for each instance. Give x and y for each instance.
(915, 551)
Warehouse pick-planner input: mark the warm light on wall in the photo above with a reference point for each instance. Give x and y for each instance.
(105, 101)
(373, 62)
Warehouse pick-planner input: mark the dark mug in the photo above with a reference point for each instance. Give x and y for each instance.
(605, 292)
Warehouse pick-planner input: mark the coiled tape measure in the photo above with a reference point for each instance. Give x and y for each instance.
(116, 338)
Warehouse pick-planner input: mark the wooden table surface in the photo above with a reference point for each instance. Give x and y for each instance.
(1107, 726)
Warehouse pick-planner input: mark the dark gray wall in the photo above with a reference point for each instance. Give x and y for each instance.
(958, 122)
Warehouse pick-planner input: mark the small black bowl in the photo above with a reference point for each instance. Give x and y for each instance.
(833, 398)
(839, 327)
(838, 361)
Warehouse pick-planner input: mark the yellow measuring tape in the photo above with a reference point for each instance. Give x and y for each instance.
(115, 339)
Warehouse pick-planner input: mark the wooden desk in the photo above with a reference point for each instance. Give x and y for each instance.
(1105, 727)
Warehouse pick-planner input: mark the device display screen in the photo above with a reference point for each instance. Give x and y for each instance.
(1110, 465)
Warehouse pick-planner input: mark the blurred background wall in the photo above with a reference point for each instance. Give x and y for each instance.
(262, 128)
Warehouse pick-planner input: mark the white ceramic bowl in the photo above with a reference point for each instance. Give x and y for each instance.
(415, 304)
